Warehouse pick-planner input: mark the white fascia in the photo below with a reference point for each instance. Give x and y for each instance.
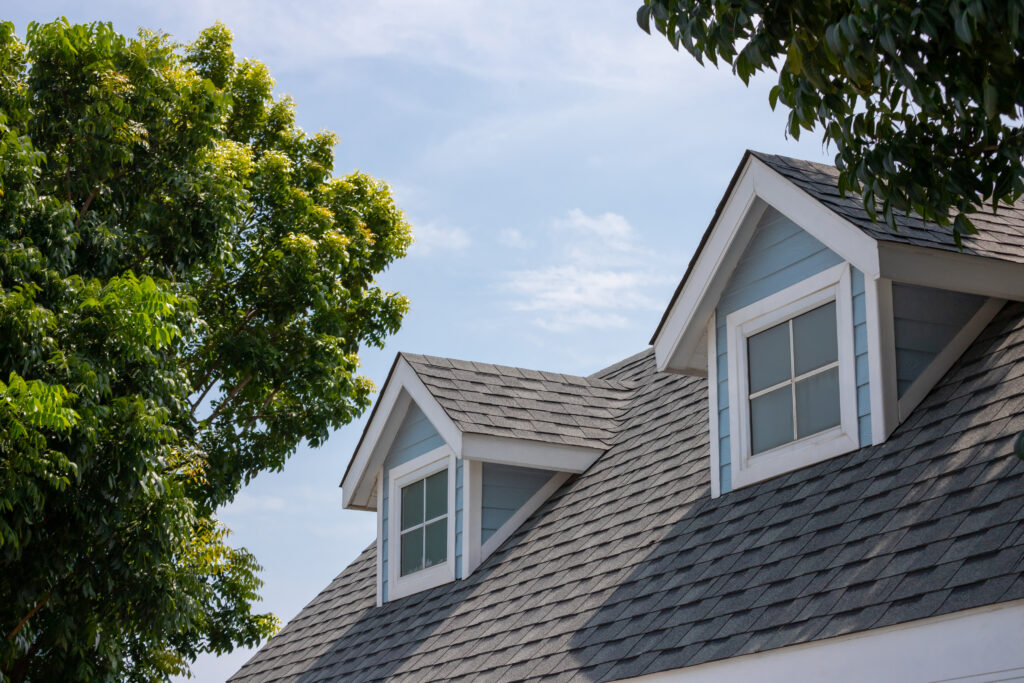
(975, 645)
(950, 270)
(539, 455)
(403, 387)
(681, 343)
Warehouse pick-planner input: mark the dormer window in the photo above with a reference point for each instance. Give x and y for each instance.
(792, 355)
(794, 379)
(422, 554)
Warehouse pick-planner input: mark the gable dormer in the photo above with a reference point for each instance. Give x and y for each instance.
(456, 456)
(818, 330)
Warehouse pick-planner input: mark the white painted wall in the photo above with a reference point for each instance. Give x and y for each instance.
(985, 644)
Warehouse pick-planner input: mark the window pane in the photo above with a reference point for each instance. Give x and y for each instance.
(768, 357)
(412, 551)
(437, 542)
(412, 504)
(817, 403)
(814, 339)
(437, 494)
(771, 419)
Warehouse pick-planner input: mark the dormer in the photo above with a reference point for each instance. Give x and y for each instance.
(456, 456)
(819, 331)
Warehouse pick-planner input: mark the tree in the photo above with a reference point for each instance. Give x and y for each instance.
(922, 100)
(184, 290)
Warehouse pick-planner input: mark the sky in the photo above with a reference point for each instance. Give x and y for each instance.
(558, 166)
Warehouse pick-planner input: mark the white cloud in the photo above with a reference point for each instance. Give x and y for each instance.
(602, 275)
(430, 238)
(510, 237)
(596, 44)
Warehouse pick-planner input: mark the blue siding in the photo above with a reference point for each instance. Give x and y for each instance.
(458, 518)
(415, 437)
(505, 489)
(779, 255)
(860, 351)
(925, 320)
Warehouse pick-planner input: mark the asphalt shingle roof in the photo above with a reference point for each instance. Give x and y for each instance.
(525, 404)
(632, 568)
(1000, 235)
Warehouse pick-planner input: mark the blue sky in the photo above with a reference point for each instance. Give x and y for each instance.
(558, 166)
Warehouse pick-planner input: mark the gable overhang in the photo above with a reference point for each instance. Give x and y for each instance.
(680, 342)
(404, 387)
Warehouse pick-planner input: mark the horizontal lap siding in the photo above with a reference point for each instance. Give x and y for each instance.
(505, 489)
(925, 320)
(779, 255)
(860, 350)
(415, 437)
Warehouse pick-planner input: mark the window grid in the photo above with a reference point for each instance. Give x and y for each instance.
(420, 525)
(792, 381)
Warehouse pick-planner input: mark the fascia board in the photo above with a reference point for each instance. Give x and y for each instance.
(679, 336)
(527, 453)
(403, 386)
(981, 644)
(679, 342)
(950, 270)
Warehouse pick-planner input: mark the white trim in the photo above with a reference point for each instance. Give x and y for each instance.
(527, 453)
(829, 285)
(941, 364)
(402, 475)
(677, 345)
(713, 437)
(472, 508)
(881, 358)
(951, 270)
(404, 384)
(972, 645)
(522, 514)
(380, 541)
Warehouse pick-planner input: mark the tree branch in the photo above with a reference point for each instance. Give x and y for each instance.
(234, 392)
(24, 620)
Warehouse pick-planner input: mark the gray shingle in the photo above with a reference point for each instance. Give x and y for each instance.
(632, 568)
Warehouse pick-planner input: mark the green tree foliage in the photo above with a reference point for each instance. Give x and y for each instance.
(184, 288)
(922, 100)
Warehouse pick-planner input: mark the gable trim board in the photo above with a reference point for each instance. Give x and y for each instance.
(404, 387)
(401, 386)
(944, 648)
(678, 339)
(676, 342)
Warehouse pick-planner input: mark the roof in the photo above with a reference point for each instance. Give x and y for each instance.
(525, 404)
(1000, 235)
(632, 568)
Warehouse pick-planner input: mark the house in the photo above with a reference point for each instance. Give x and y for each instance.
(809, 476)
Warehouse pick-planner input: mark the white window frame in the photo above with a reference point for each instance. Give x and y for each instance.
(398, 477)
(830, 285)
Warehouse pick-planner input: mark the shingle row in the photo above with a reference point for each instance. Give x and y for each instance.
(632, 568)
